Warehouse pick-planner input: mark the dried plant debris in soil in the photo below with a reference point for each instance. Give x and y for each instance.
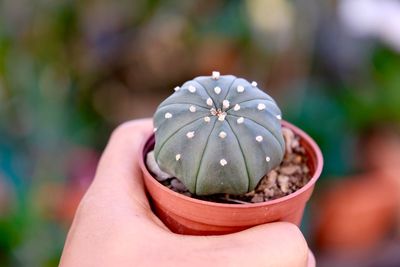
(290, 176)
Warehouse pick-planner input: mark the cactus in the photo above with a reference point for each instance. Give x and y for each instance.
(218, 134)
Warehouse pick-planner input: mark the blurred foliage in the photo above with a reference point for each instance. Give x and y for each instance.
(70, 71)
(376, 99)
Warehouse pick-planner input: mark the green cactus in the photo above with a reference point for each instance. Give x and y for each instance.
(218, 134)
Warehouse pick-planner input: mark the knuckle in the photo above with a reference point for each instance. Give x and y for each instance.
(85, 206)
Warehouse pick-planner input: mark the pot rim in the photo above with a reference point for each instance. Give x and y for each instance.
(305, 137)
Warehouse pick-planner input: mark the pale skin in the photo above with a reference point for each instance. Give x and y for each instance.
(114, 225)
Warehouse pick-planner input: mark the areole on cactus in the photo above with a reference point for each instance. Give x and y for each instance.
(218, 134)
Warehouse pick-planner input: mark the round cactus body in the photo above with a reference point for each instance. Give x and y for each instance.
(218, 134)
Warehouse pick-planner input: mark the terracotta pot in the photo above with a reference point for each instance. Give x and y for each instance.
(369, 200)
(185, 215)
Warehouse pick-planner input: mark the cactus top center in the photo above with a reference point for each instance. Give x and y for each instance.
(220, 113)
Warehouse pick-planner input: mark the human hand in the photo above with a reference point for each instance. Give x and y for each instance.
(114, 224)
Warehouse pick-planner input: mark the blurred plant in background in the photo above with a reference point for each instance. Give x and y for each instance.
(70, 71)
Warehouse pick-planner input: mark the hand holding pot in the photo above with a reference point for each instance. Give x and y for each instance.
(114, 225)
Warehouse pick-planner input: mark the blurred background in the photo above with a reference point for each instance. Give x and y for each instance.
(71, 71)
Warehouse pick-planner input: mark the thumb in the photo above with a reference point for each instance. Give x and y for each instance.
(118, 176)
(275, 244)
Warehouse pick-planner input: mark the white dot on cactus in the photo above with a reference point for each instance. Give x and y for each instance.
(267, 159)
(209, 101)
(221, 117)
(225, 104)
(240, 88)
(240, 120)
(222, 134)
(215, 75)
(261, 106)
(177, 88)
(154, 130)
(217, 90)
(259, 138)
(279, 117)
(254, 84)
(207, 119)
(192, 89)
(236, 107)
(190, 134)
(168, 115)
(178, 157)
(192, 108)
(223, 162)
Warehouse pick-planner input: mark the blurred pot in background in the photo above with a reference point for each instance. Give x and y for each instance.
(358, 213)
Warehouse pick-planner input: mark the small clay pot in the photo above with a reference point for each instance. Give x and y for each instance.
(190, 216)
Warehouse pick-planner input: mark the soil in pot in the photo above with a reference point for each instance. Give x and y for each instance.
(291, 175)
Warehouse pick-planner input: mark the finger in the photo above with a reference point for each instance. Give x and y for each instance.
(118, 176)
(311, 260)
(276, 244)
